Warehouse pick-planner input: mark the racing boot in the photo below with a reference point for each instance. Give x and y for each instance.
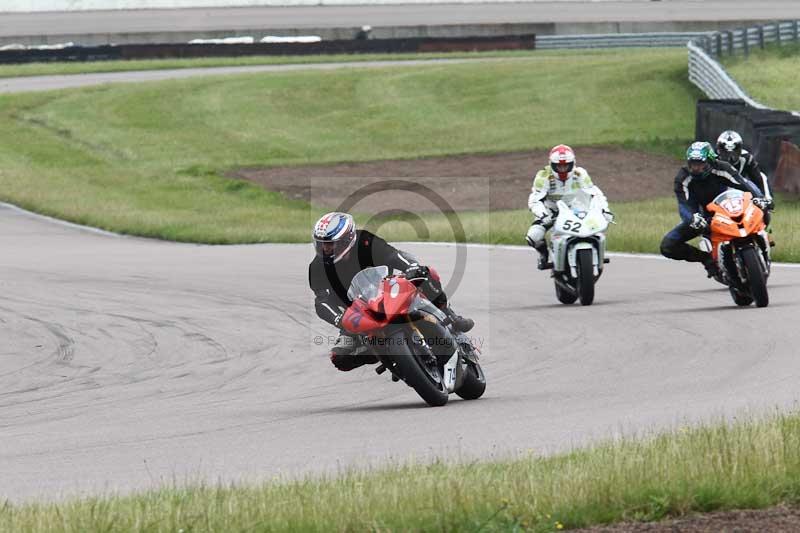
(349, 353)
(459, 322)
(712, 270)
(544, 255)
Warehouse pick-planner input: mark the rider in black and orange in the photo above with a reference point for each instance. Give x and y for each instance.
(696, 185)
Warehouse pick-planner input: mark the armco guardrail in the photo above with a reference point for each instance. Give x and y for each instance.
(711, 78)
(728, 42)
(616, 40)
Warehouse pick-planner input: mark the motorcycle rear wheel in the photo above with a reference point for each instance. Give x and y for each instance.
(585, 276)
(755, 276)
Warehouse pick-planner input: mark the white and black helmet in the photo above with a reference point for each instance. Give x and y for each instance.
(334, 235)
(729, 146)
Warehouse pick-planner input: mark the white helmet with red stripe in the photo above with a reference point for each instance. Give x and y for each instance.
(562, 161)
(334, 235)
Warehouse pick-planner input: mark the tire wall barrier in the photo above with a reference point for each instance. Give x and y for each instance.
(765, 133)
(787, 175)
(350, 46)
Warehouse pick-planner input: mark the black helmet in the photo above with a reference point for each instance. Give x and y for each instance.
(729, 146)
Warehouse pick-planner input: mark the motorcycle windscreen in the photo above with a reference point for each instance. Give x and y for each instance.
(581, 202)
(368, 283)
(732, 201)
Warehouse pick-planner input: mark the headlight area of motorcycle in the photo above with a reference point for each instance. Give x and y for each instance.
(429, 312)
(594, 222)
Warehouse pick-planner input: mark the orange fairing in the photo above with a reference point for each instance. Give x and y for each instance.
(734, 217)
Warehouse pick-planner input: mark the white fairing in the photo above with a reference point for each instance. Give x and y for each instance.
(450, 369)
(581, 219)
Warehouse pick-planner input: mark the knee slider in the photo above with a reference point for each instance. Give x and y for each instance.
(668, 247)
(535, 236)
(343, 361)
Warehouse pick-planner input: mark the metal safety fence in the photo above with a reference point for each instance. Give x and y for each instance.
(616, 40)
(710, 76)
(729, 42)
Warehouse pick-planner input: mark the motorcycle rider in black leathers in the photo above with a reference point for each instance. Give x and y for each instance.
(702, 179)
(730, 149)
(342, 251)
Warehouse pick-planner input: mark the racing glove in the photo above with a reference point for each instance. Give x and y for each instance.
(417, 274)
(609, 216)
(698, 222)
(762, 203)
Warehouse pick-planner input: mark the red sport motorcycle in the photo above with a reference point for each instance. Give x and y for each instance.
(412, 338)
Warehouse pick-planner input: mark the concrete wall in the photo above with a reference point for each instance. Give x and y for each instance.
(327, 34)
(380, 32)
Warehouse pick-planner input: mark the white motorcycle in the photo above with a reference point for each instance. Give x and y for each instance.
(577, 248)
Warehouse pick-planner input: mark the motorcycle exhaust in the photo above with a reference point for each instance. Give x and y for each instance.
(566, 287)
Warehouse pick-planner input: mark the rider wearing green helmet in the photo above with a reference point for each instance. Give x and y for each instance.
(696, 185)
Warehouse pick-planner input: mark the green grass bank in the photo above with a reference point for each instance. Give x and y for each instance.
(743, 465)
(149, 159)
(771, 76)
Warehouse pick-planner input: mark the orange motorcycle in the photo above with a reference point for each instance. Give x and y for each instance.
(739, 244)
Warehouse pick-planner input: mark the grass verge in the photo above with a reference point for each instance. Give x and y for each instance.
(149, 159)
(89, 67)
(93, 67)
(771, 76)
(727, 465)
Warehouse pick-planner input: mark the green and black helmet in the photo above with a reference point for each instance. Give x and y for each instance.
(698, 158)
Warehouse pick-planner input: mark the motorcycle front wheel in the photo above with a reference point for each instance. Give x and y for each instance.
(740, 298)
(474, 384)
(755, 276)
(417, 369)
(585, 276)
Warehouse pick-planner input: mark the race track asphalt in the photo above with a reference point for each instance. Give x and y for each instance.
(128, 363)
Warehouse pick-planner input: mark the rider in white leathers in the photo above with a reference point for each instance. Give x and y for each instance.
(560, 180)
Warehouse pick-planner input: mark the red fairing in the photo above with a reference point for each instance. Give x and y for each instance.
(398, 293)
(369, 317)
(434, 274)
(359, 319)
